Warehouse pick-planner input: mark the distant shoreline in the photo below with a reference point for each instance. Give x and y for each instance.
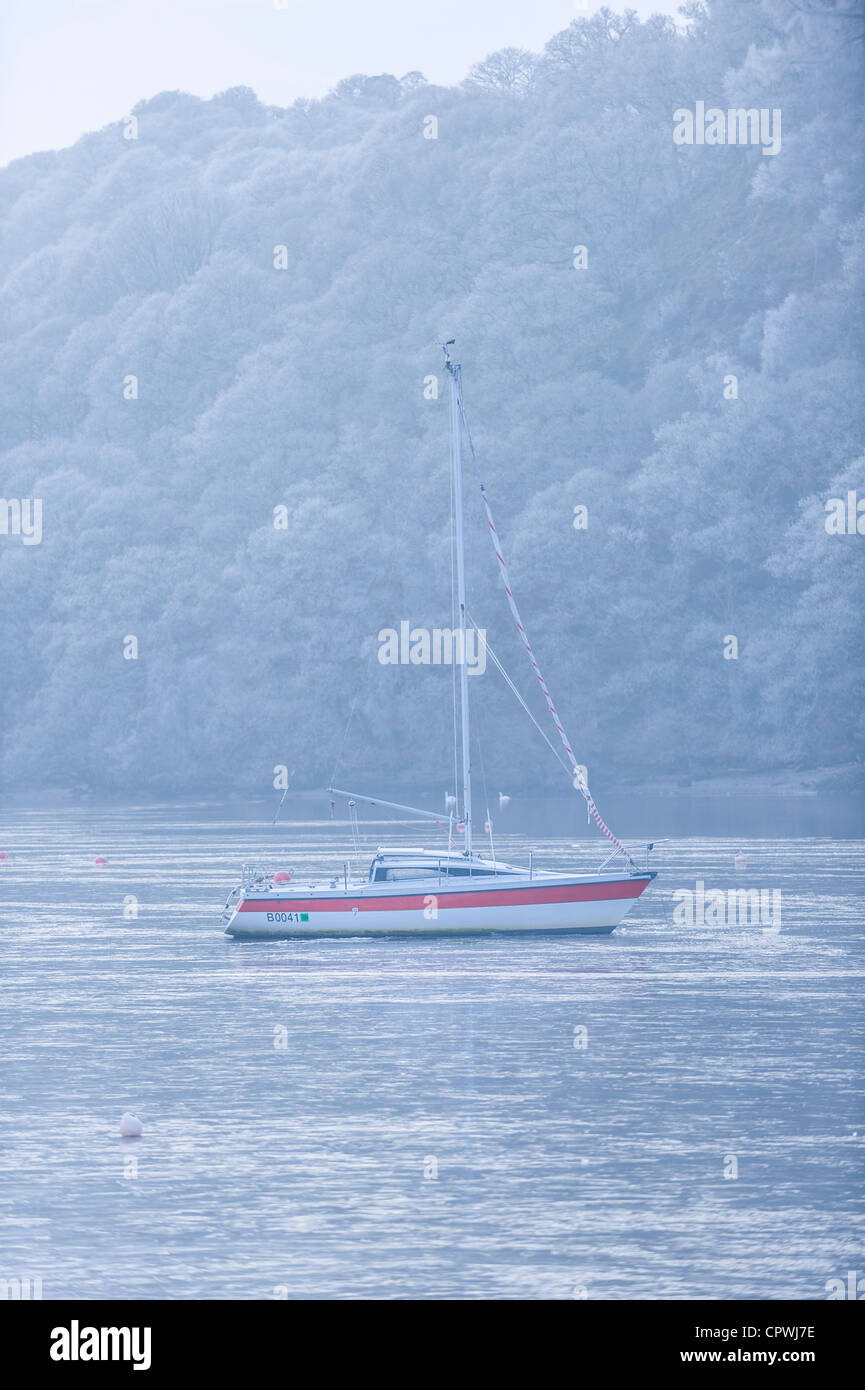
(849, 777)
(846, 780)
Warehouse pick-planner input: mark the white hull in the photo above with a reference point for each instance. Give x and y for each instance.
(551, 903)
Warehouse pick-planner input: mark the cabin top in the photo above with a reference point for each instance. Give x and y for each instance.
(391, 864)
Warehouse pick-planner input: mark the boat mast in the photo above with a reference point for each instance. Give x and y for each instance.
(456, 461)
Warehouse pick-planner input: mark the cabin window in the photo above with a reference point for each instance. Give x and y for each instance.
(402, 875)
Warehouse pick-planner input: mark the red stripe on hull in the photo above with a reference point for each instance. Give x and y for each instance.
(502, 897)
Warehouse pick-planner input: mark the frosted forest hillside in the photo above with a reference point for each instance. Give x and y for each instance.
(220, 309)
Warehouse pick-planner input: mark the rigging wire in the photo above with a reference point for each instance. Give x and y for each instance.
(355, 829)
(579, 780)
(489, 822)
(395, 519)
(342, 745)
(518, 696)
(453, 628)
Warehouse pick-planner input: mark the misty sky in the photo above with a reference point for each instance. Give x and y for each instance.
(69, 66)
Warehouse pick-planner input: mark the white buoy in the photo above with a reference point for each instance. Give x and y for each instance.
(450, 801)
(130, 1125)
(503, 800)
(740, 862)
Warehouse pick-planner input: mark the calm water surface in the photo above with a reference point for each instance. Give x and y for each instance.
(297, 1097)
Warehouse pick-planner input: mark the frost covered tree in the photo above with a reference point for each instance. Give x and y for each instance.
(216, 347)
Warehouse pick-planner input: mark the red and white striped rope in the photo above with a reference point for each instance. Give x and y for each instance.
(578, 776)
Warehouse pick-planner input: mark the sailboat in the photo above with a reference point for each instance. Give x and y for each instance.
(457, 890)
